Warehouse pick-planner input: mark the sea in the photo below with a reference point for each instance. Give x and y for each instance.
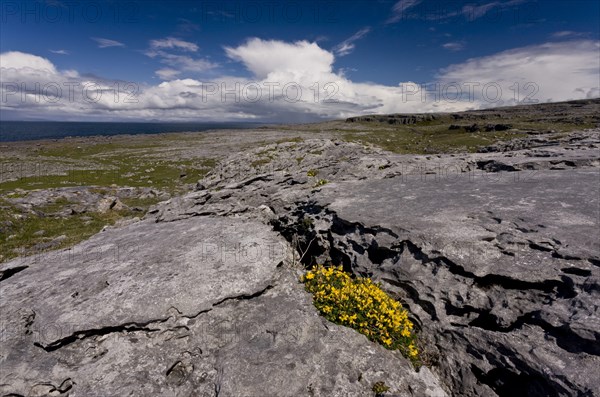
(31, 130)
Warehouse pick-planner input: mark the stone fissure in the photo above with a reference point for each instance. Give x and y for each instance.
(141, 327)
(79, 335)
(339, 245)
(11, 272)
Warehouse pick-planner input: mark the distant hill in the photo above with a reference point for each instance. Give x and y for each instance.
(585, 111)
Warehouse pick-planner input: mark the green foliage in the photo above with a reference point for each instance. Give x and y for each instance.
(138, 164)
(260, 162)
(306, 224)
(380, 388)
(321, 182)
(21, 232)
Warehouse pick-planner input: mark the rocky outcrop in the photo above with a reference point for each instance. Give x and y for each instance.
(581, 112)
(393, 118)
(495, 254)
(203, 306)
(502, 285)
(80, 199)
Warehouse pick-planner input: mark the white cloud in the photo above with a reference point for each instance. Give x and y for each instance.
(167, 74)
(437, 11)
(477, 11)
(568, 33)
(106, 43)
(266, 57)
(163, 50)
(60, 52)
(23, 62)
(186, 63)
(173, 43)
(561, 71)
(454, 46)
(347, 46)
(473, 12)
(399, 9)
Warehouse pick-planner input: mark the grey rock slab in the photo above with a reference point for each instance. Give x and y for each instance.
(272, 344)
(131, 276)
(499, 271)
(465, 218)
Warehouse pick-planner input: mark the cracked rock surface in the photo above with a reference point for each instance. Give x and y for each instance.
(496, 255)
(501, 275)
(204, 306)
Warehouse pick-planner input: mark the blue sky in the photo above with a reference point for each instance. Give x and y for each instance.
(367, 48)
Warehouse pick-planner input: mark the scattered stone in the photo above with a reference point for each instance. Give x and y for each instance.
(105, 204)
(117, 205)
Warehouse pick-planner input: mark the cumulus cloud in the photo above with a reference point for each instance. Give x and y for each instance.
(22, 62)
(297, 82)
(167, 74)
(347, 46)
(106, 43)
(173, 43)
(265, 57)
(552, 71)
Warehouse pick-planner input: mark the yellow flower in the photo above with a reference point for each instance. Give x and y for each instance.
(362, 305)
(412, 351)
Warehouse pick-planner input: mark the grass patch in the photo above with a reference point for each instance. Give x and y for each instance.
(122, 170)
(142, 203)
(21, 233)
(426, 139)
(264, 157)
(434, 136)
(379, 388)
(117, 166)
